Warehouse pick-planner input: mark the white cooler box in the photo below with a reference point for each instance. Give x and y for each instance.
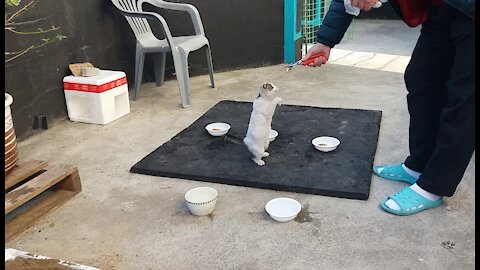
(98, 99)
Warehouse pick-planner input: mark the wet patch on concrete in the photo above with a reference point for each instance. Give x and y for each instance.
(304, 215)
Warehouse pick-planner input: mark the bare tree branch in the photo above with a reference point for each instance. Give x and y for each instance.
(11, 26)
(18, 54)
(24, 51)
(25, 22)
(11, 29)
(27, 6)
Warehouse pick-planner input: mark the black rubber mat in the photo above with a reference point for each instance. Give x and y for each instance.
(293, 165)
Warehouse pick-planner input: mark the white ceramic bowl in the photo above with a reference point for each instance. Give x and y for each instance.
(273, 134)
(217, 129)
(283, 209)
(325, 143)
(201, 200)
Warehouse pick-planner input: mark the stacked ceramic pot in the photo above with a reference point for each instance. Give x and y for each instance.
(11, 153)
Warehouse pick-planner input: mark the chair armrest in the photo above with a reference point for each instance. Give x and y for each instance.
(192, 10)
(150, 15)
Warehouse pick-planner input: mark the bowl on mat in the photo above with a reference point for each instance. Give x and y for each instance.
(273, 134)
(283, 209)
(325, 143)
(201, 200)
(217, 129)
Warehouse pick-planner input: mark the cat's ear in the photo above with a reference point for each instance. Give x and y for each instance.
(262, 90)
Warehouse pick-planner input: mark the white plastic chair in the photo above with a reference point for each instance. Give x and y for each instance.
(180, 46)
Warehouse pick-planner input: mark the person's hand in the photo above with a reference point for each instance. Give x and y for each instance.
(316, 49)
(364, 4)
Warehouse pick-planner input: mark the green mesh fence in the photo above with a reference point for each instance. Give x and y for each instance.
(313, 12)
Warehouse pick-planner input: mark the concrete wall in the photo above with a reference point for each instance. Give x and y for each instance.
(242, 33)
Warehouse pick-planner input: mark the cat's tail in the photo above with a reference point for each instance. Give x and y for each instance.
(233, 139)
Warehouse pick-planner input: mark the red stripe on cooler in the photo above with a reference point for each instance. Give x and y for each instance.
(94, 88)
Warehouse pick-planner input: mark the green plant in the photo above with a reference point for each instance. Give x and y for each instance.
(13, 25)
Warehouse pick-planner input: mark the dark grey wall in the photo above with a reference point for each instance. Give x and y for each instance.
(242, 33)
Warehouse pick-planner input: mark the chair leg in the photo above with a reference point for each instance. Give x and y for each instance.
(139, 60)
(210, 65)
(160, 59)
(180, 61)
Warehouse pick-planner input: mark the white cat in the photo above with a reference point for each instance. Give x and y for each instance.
(261, 122)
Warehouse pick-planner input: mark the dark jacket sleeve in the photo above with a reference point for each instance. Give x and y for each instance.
(465, 6)
(334, 25)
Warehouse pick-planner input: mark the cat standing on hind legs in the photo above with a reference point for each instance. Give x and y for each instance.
(260, 123)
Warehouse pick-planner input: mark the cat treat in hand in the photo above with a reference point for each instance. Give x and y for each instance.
(257, 139)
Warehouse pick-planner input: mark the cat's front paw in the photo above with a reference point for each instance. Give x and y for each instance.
(279, 101)
(259, 162)
(266, 154)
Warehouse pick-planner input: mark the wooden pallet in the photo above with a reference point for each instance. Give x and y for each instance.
(31, 179)
(18, 259)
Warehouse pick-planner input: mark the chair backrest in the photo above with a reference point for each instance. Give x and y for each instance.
(139, 26)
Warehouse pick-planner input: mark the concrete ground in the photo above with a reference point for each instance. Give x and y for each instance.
(129, 221)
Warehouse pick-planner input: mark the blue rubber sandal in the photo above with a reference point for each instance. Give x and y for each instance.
(394, 172)
(410, 203)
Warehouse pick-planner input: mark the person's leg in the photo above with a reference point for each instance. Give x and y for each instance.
(444, 158)
(425, 78)
(455, 142)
